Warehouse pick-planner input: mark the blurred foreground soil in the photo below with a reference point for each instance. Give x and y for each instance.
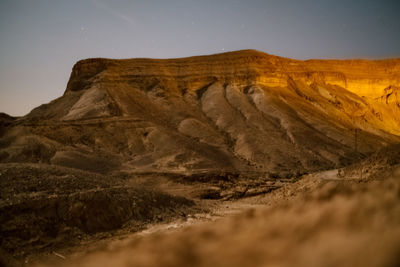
(320, 220)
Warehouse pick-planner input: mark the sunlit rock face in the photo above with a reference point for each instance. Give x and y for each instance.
(243, 111)
(363, 77)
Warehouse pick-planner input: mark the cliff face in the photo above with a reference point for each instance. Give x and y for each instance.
(363, 77)
(240, 111)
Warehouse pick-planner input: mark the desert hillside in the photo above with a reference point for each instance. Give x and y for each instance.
(133, 142)
(241, 111)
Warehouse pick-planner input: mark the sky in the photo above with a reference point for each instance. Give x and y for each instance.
(40, 40)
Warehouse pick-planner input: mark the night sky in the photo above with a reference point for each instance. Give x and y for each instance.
(40, 40)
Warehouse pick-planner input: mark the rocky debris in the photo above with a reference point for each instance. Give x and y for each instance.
(42, 207)
(383, 163)
(311, 221)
